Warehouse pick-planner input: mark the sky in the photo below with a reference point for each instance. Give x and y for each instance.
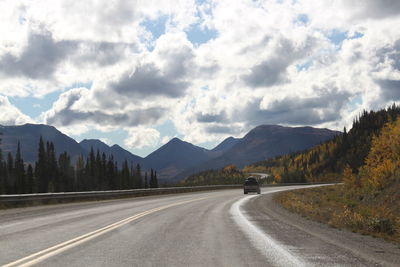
(138, 73)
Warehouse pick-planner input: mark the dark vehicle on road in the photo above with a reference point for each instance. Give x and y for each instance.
(251, 185)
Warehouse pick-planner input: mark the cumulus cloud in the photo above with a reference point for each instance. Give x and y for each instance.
(140, 137)
(39, 59)
(268, 62)
(10, 115)
(272, 70)
(147, 81)
(64, 114)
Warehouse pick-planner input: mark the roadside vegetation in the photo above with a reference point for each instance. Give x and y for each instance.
(52, 174)
(228, 175)
(368, 201)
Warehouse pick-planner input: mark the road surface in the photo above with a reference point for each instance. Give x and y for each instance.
(219, 228)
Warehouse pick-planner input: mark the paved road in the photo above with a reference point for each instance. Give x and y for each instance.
(221, 228)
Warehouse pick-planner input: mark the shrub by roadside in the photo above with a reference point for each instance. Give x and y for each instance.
(336, 207)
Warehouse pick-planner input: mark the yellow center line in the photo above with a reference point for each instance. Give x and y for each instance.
(54, 250)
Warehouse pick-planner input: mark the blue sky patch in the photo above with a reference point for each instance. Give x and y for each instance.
(198, 36)
(304, 66)
(356, 35)
(156, 27)
(302, 19)
(337, 37)
(33, 106)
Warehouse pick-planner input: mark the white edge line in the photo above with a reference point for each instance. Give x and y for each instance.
(273, 250)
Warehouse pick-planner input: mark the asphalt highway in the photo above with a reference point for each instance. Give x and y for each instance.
(215, 228)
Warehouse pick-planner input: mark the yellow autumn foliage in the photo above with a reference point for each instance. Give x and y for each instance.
(383, 161)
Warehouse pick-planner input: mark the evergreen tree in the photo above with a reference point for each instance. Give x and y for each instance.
(52, 168)
(30, 180)
(20, 184)
(138, 177)
(111, 175)
(153, 179)
(146, 183)
(92, 167)
(97, 171)
(40, 168)
(80, 178)
(125, 175)
(103, 173)
(66, 173)
(10, 174)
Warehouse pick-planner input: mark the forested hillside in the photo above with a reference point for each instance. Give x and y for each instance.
(59, 174)
(228, 175)
(369, 200)
(326, 161)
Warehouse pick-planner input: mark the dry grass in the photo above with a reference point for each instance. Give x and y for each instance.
(341, 208)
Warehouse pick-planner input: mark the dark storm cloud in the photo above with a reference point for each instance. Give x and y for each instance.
(148, 81)
(40, 58)
(390, 89)
(42, 55)
(374, 8)
(207, 118)
(68, 116)
(272, 71)
(391, 53)
(267, 73)
(301, 111)
(102, 53)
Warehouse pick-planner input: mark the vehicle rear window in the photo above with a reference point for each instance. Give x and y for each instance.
(251, 182)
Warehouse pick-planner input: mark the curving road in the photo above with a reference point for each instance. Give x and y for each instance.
(219, 228)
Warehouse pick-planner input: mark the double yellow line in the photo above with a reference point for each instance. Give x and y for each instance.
(54, 250)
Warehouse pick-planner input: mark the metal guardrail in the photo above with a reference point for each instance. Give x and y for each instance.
(29, 199)
(46, 198)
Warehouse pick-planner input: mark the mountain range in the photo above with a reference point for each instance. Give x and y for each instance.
(176, 159)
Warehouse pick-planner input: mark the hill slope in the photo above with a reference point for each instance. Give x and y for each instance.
(29, 134)
(368, 201)
(326, 161)
(174, 157)
(267, 141)
(263, 142)
(119, 154)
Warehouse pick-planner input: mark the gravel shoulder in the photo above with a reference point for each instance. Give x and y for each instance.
(316, 243)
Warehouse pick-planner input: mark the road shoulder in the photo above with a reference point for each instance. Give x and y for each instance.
(305, 237)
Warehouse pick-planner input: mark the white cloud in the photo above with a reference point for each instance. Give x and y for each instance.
(270, 62)
(140, 137)
(10, 115)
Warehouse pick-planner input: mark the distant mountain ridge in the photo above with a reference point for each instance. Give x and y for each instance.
(263, 142)
(176, 159)
(29, 134)
(119, 154)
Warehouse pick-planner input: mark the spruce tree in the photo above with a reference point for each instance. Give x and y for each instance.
(20, 184)
(111, 176)
(30, 180)
(79, 183)
(40, 168)
(52, 168)
(155, 179)
(146, 182)
(92, 167)
(138, 177)
(10, 174)
(66, 173)
(125, 175)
